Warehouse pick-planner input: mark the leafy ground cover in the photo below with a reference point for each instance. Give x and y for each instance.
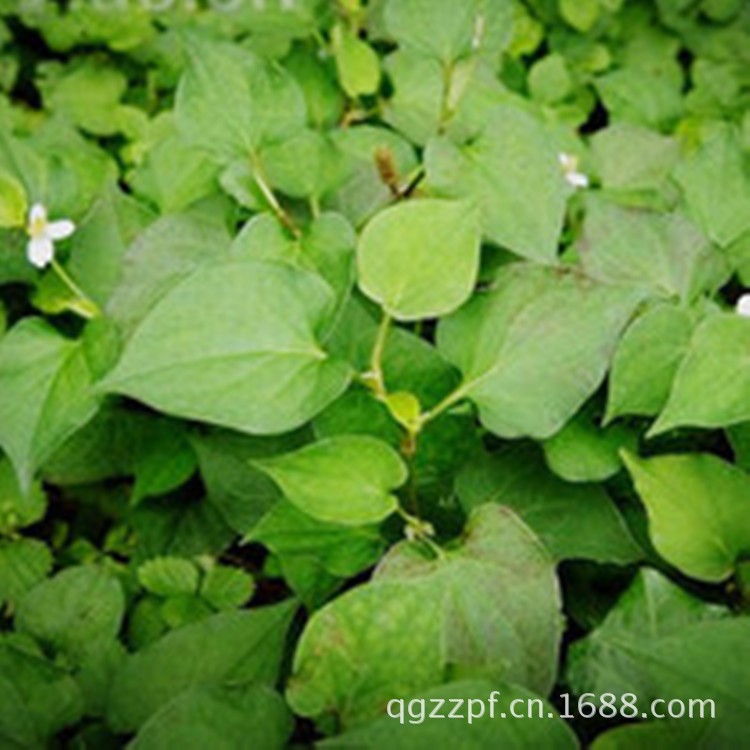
(353, 351)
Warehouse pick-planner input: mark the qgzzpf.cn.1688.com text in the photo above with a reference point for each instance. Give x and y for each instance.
(586, 706)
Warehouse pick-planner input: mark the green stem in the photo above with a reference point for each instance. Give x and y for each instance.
(93, 309)
(445, 109)
(314, 206)
(376, 361)
(272, 200)
(450, 400)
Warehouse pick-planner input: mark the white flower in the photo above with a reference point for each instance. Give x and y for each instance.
(576, 179)
(743, 306)
(43, 234)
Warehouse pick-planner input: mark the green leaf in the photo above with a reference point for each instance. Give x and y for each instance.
(227, 649)
(415, 624)
(38, 698)
(13, 201)
(188, 528)
(171, 174)
(18, 508)
(697, 507)
(303, 165)
(23, 564)
(260, 336)
(716, 184)
(639, 97)
(259, 102)
(163, 460)
(227, 588)
(415, 733)
(45, 380)
(535, 347)
(166, 253)
(241, 492)
(449, 29)
(549, 79)
(363, 192)
(665, 253)
(75, 607)
(584, 452)
(712, 385)
(629, 157)
(347, 479)
(222, 719)
(314, 555)
(437, 273)
(357, 63)
(88, 94)
(326, 247)
(574, 521)
(169, 576)
(512, 171)
(580, 14)
(659, 641)
(646, 361)
(666, 735)
(184, 609)
(101, 240)
(651, 609)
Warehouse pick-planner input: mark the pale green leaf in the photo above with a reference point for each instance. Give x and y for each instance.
(227, 588)
(348, 479)
(420, 259)
(257, 102)
(646, 361)
(260, 337)
(18, 507)
(716, 183)
(169, 576)
(580, 14)
(584, 452)
(45, 380)
(698, 509)
(357, 63)
(13, 201)
(415, 624)
(535, 347)
(665, 253)
(512, 171)
(449, 29)
(712, 385)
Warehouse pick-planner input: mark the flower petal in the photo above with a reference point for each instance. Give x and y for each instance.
(577, 179)
(37, 213)
(743, 306)
(59, 230)
(40, 251)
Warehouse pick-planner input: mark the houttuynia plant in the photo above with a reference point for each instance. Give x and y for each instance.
(369, 362)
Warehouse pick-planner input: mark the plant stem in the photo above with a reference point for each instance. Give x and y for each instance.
(376, 361)
(272, 200)
(314, 206)
(77, 291)
(450, 400)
